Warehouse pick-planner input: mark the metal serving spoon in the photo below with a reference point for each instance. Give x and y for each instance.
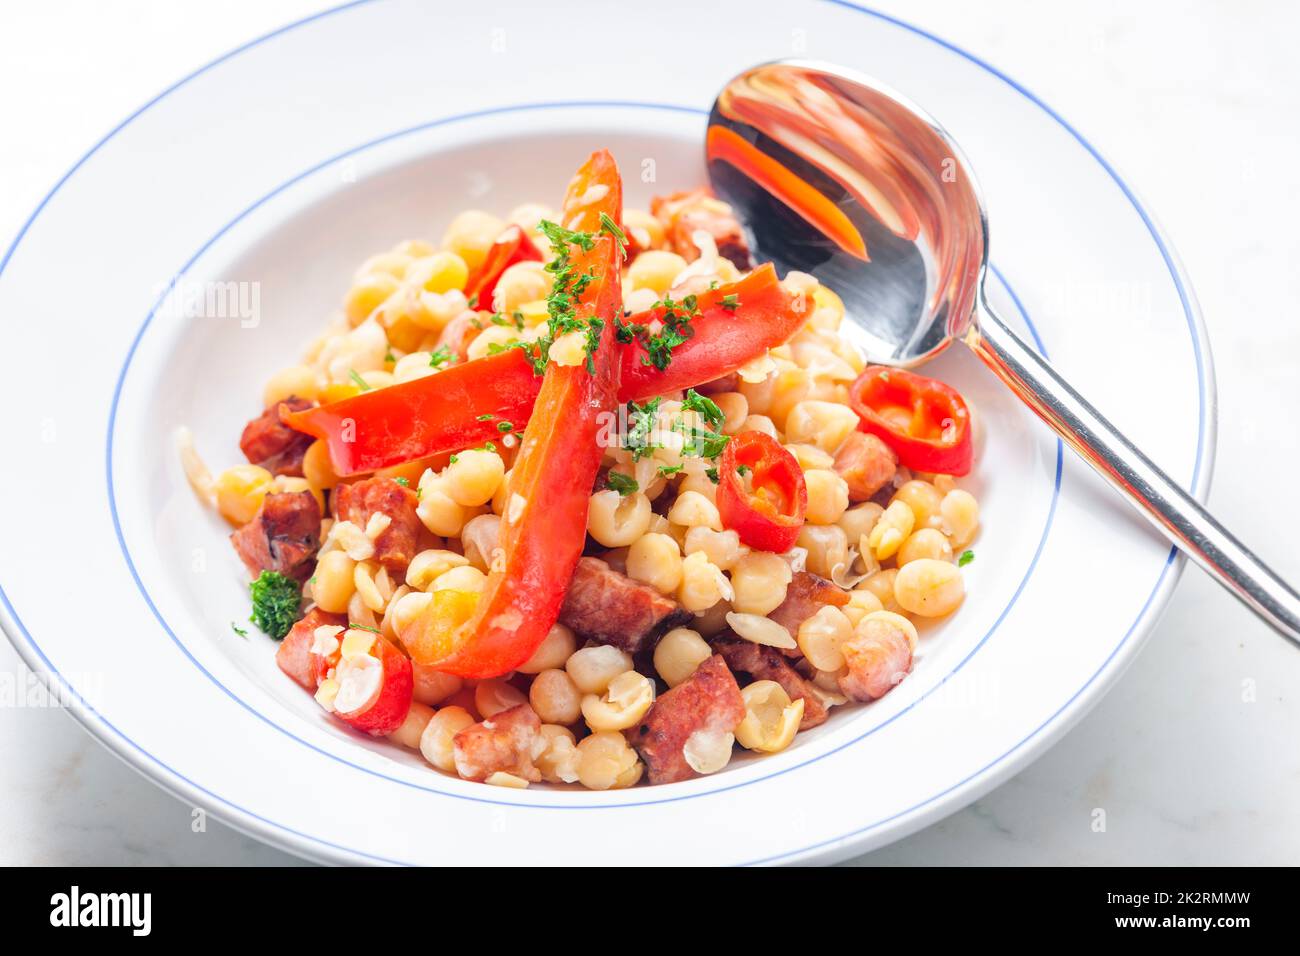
(825, 167)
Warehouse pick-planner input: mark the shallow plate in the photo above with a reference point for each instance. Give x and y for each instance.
(264, 178)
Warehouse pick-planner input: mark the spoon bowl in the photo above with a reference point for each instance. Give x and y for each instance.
(834, 174)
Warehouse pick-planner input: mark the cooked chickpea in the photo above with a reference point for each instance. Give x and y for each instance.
(558, 761)
(891, 530)
(713, 621)
(240, 491)
(592, 668)
(703, 583)
(404, 610)
(821, 636)
(412, 729)
(438, 273)
(495, 695)
(678, 653)
(760, 423)
(929, 587)
(722, 548)
(828, 549)
(859, 520)
(861, 603)
(881, 584)
(828, 496)
(555, 697)
(656, 560)
(367, 294)
(771, 718)
(618, 520)
(480, 539)
(523, 282)
(556, 648)
(370, 586)
(316, 467)
(437, 510)
(428, 566)
(465, 577)
(823, 424)
(335, 582)
(810, 456)
(924, 501)
(960, 513)
(760, 580)
(471, 235)
(606, 761)
(654, 269)
(410, 367)
(296, 380)
(623, 704)
(638, 220)
(694, 510)
(735, 409)
(487, 341)
(473, 478)
(925, 543)
(436, 742)
(432, 687)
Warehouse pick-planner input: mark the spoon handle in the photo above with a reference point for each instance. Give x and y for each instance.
(1180, 517)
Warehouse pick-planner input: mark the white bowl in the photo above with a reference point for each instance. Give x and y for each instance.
(282, 165)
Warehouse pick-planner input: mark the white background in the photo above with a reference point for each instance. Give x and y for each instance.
(1195, 755)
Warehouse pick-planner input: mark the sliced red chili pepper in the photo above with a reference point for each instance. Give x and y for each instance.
(386, 673)
(544, 526)
(461, 406)
(924, 421)
(512, 246)
(770, 511)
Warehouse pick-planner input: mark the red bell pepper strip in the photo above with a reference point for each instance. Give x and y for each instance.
(510, 247)
(723, 337)
(924, 421)
(461, 406)
(770, 511)
(544, 526)
(383, 686)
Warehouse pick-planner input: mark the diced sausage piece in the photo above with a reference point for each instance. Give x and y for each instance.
(283, 536)
(275, 446)
(358, 501)
(502, 743)
(294, 654)
(805, 596)
(876, 664)
(684, 214)
(866, 463)
(606, 606)
(691, 717)
(767, 663)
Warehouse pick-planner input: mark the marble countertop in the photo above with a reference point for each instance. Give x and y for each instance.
(1197, 102)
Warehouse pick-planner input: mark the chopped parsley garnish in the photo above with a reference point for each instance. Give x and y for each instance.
(712, 474)
(275, 603)
(238, 630)
(707, 407)
(730, 302)
(442, 355)
(487, 446)
(504, 427)
(966, 558)
(641, 421)
(473, 301)
(743, 470)
(404, 482)
(610, 226)
(516, 319)
(453, 459)
(358, 380)
(485, 417)
(700, 442)
(669, 470)
(354, 626)
(623, 484)
(389, 356)
(676, 330)
(567, 287)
